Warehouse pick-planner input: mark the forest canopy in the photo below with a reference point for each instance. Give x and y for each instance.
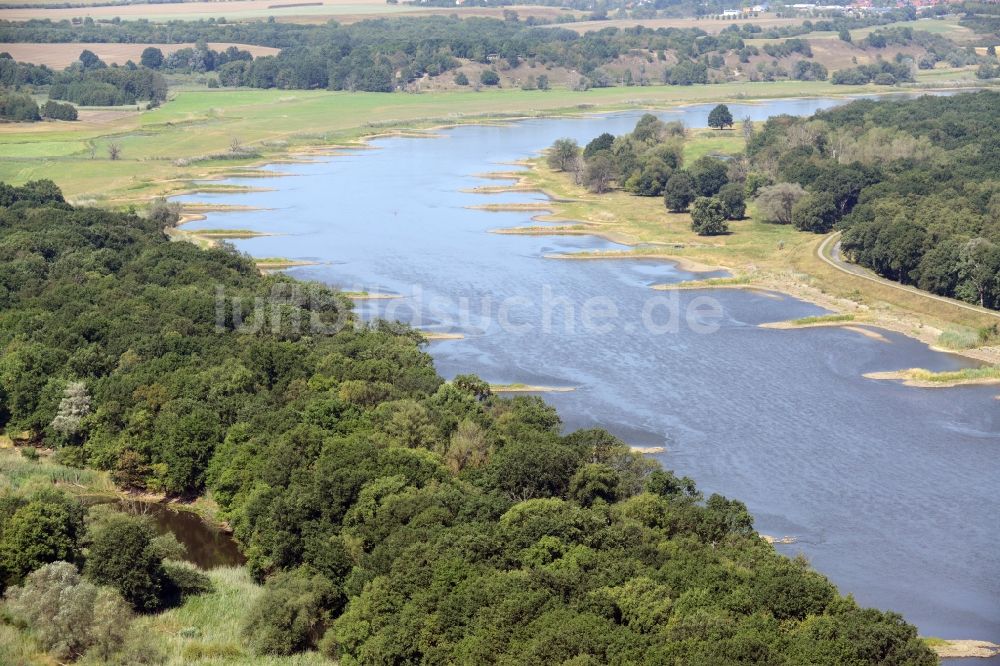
(912, 183)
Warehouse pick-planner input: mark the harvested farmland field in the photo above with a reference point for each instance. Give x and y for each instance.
(59, 56)
(346, 11)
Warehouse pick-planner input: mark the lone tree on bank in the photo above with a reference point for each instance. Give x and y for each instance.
(563, 154)
(720, 117)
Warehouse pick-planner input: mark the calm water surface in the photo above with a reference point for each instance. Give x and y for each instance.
(890, 491)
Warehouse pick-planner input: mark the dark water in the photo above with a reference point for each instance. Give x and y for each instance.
(206, 546)
(890, 491)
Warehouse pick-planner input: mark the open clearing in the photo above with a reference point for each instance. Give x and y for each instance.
(345, 11)
(61, 55)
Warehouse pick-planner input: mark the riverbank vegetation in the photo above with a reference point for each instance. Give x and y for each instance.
(912, 184)
(775, 247)
(389, 515)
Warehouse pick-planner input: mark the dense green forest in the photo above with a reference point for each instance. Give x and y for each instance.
(395, 517)
(913, 183)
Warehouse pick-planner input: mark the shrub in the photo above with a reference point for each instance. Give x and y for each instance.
(163, 212)
(563, 154)
(292, 613)
(679, 192)
(58, 111)
(775, 202)
(186, 580)
(68, 615)
(461, 79)
(489, 77)
(45, 529)
(815, 212)
(709, 175)
(18, 107)
(122, 555)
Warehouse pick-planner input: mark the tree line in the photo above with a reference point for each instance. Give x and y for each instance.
(88, 82)
(393, 516)
(382, 55)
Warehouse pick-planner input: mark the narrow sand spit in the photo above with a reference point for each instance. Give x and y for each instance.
(431, 336)
(528, 388)
(848, 325)
(513, 207)
(966, 648)
(782, 540)
(911, 378)
(366, 296)
(682, 263)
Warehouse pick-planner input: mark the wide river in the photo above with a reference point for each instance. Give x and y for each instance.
(888, 490)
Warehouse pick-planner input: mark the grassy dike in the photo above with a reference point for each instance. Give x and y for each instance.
(189, 137)
(759, 255)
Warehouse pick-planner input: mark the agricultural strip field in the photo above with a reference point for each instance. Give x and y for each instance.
(345, 11)
(60, 56)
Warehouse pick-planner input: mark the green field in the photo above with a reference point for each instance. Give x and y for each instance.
(164, 148)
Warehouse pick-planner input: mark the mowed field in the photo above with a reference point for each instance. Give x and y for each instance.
(59, 56)
(345, 11)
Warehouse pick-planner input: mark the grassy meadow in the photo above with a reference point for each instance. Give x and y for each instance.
(164, 148)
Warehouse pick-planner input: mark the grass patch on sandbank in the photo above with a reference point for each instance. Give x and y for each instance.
(989, 372)
(708, 283)
(529, 388)
(921, 377)
(821, 319)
